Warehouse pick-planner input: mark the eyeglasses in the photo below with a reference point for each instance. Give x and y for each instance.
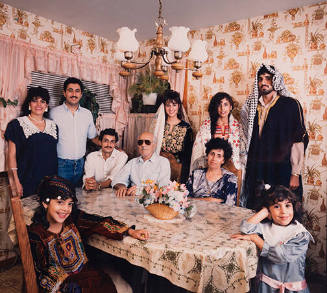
(146, 141)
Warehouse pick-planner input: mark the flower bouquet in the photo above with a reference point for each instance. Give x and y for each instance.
(165, 202)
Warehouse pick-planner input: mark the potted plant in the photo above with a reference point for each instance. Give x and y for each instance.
(145, 92)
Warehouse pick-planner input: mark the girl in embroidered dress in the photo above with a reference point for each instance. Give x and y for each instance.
(32, 138)
(174, 136)
(283, 243)
(60, 260)
(221, 124)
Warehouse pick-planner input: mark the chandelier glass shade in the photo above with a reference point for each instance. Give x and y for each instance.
(178, 45)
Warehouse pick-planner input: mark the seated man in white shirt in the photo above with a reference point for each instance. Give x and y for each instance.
(148, 166)
(103, 165)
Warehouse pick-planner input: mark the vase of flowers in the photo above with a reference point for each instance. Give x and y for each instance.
(165, 202)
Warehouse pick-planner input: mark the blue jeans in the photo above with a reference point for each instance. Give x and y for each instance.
(71, 170)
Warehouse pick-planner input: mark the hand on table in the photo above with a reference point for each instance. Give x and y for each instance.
(141, 234)
(131, 191)
(241, 236)
(90, 183)
(255, 238)
(121, 190)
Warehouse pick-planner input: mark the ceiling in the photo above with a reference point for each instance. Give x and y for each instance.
(103, 17)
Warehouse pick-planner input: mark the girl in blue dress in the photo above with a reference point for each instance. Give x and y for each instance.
(282, 240)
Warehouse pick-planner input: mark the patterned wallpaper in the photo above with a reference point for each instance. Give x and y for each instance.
(38, 30)
(292, 40)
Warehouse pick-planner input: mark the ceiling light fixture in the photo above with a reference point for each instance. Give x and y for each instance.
(178, 44)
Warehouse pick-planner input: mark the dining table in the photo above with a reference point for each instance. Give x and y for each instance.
(196, 254)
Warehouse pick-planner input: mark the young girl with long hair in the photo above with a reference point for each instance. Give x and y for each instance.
(282, 240)
(56, 235)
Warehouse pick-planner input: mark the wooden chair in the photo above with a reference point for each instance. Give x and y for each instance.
(229, 165)
(23, 240)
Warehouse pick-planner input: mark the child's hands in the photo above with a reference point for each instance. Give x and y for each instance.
(141, 234)
(259, 216)
(242, 237)
(255, 238)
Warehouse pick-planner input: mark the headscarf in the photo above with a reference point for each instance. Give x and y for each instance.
(55, 187)
(249, 108)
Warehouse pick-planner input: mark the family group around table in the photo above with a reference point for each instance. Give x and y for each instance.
(46, 156)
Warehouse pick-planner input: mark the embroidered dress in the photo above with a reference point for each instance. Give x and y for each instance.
(282, 259)
(178, 142)
(204, 135)
(225, 188)
(36, 151)
(60, 259)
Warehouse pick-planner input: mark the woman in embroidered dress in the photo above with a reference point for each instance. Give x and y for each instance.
(214, 183)
(32, 143)
(55, 234)
(283, 243)
(175, 138)
(221, 124)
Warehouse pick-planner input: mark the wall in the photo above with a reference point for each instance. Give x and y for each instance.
(38, 30)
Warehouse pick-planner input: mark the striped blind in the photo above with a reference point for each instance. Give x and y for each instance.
(54, 84)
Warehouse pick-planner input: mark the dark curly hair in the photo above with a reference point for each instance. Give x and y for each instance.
(171, 96)
(213, 108)
(219, 144)
(53, 187)
(34, 92)
(270, 195)
(108, 131)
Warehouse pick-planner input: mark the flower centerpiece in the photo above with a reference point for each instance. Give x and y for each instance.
(165, 202)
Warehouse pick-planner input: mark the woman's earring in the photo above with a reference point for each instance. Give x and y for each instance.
(46, 110)
(29, 108)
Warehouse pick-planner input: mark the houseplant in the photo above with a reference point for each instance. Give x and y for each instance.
(145, 85)
(165, 202)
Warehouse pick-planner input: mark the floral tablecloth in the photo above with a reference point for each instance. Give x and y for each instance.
(196, 254)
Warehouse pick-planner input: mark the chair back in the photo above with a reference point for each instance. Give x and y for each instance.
(23, 239)
(229, 165)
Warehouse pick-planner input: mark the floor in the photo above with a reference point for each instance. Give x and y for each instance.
(11, 281)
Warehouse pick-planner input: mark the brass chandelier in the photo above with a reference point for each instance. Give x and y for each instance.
(178, 44)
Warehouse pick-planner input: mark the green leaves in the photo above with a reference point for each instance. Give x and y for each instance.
(8, 102)
(148, 83)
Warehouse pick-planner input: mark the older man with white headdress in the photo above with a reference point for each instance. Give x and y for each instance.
(274, 135)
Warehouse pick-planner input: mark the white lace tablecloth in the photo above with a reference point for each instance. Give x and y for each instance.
(196, 254)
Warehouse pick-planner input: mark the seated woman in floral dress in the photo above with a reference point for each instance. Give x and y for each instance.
(214, 183)
(174, 136)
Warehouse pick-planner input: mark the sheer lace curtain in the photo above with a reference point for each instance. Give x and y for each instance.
(18, 59)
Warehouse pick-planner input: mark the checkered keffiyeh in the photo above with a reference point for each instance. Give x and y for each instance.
(249, 108)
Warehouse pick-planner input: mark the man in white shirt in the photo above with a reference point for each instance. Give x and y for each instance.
(148, 166)
(101, 166)
(75, 125)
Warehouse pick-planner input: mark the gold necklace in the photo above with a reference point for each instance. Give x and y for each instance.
(29, 115)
